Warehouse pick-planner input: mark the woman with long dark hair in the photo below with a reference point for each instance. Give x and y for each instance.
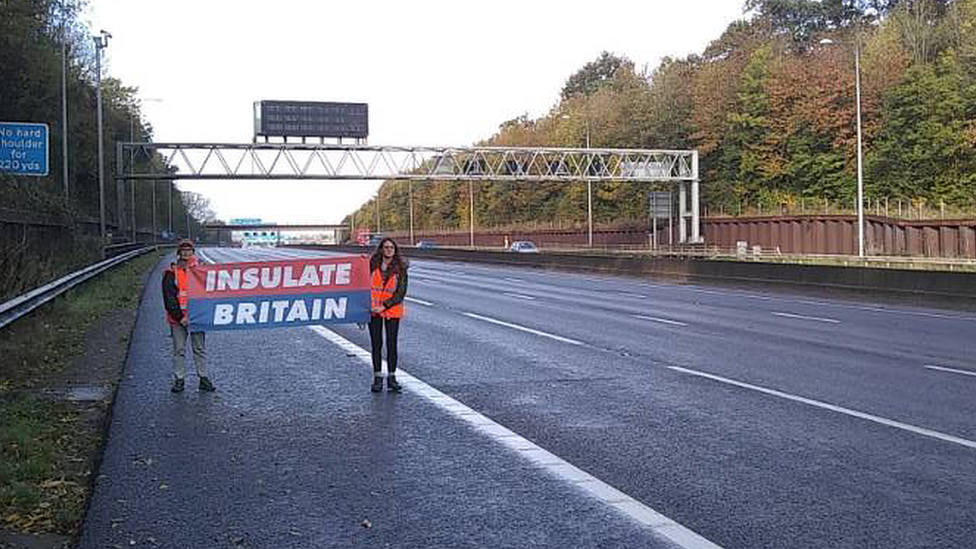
(388, 273)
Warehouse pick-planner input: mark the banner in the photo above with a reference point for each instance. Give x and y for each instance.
(277, 294)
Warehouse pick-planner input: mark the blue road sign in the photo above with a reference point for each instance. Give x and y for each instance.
(23, 148)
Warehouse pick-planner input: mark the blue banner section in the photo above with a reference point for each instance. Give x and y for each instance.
(278, 311)
(23, 148)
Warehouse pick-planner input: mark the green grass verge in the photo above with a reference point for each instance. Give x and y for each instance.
(47, 446)
(43, 342)
(37, 494)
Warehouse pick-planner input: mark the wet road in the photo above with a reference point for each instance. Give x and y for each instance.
(549, 409)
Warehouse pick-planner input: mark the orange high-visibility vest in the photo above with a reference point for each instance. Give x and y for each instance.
(182, 286)
(381, 292)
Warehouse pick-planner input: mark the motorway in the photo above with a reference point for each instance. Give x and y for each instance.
(551, 409)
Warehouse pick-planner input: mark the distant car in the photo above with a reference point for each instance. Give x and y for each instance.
(426, 244)
(523, 246)
(375, 240)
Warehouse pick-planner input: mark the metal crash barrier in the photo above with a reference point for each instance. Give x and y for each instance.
(23, 304)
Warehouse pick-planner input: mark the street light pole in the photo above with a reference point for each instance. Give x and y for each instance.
(860, 154)
(186, 211)
(64, 108)
(155, 229)
(589, 191)
(101, 42)
(410, 198)
(860, 173)
(132, 183)
(589, 184)
(155, 234)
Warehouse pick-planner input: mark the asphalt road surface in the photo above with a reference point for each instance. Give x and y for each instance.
(548, 409)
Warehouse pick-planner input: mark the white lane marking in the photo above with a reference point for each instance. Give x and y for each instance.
(915, 313)
(511, 279)
(421, 301)
(519, 296)
(206, 258)
(834, 408)
(659, 524)
(661, 320)
(524, 329)
(951, 370)
(814, 318)
(729, 293)
(629, 294)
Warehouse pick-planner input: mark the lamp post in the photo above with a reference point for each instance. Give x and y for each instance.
(169, 202)
(589, 186)
(132, 138)
(64, 107)
(413, 241)
(186, 212)
(860, 169)
(378, 229)
(132, 183)
(101, 42)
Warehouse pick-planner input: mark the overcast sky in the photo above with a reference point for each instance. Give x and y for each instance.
(433, 72)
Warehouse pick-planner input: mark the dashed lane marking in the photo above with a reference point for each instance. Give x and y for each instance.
(519, 296)
(659, 524)
(524, 329)
(950, 370)
(839, 409)
(802, 317)
(661, 320)
(420, 301)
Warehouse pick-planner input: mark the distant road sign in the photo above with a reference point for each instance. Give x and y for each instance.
(311, 119)
(660, 203)
(23, 148)
(246, 221)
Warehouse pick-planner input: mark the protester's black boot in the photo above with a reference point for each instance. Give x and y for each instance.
(206, 386)
(177, 386)
(377, 385)
(392, 385)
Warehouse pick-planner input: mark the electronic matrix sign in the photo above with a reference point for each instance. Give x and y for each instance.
(310, 119)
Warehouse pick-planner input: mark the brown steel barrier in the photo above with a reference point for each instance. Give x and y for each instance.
(806, 234)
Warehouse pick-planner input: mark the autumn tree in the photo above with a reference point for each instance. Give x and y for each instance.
(593, 75)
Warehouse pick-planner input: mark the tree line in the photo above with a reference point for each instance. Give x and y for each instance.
(38, 40)
(770, 106)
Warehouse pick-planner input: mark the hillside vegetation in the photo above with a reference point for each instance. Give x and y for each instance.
(770, 106)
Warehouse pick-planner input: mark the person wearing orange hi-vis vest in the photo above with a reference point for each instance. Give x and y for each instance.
(175, 285)
(388, 272)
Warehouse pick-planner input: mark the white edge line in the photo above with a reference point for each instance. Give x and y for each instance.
(524, 329)
(661, 320)
(659, 524)
(952, 370)
(840, 409)
(802, 317)
(519, 296)
(421, 301)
